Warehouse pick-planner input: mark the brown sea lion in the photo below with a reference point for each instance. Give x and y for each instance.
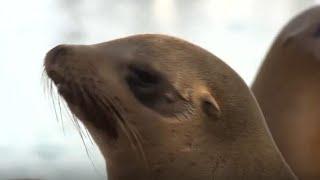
(161, 108)
(287, 89)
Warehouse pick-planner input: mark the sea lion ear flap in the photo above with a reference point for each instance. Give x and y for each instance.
(292, 35)
(209, 105)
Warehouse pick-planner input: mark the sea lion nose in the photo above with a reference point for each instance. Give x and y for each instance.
(56, 54)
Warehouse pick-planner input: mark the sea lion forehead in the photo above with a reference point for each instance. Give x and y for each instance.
(306, 25)
(161, 52)
(301, 33)
(149, 44)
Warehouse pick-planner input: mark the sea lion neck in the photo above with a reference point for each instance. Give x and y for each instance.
(186, 157)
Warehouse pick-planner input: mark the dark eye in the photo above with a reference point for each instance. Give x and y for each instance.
(152, 89)
(142, 77)
(145, 83)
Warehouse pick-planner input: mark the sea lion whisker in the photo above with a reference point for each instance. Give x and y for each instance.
(48, 86)
(133, 128)
(89, 136)
(106, 104)
(53, 96)
(72, 117)
(133, 131)
(136, 142)
(129, 130)
(83, 95)
(92, 105)
(75, 122)
(77, 125)
(136, 131)
(61, 118)
(44, 81)
(139, 140)
(54, 104)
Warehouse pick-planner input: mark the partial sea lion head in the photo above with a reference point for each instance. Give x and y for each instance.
(162, 108)
(302, 34)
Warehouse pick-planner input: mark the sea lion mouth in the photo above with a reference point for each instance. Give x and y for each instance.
(84, 96)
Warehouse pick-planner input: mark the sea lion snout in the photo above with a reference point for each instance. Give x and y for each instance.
(53, 61)
(53, 55)
(77, 81)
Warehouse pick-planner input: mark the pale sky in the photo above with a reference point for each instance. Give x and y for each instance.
(32, 143)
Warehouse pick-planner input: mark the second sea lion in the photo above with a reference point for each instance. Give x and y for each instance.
(287, 89)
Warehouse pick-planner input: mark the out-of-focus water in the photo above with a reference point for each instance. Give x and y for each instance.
(32, 143)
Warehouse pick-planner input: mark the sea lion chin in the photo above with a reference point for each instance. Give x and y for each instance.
(159, 107)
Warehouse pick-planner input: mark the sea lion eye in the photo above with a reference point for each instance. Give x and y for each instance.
(153, 90)
(144, 82)
(142, 76)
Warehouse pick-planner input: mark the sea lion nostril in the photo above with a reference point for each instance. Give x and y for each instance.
(54, 54)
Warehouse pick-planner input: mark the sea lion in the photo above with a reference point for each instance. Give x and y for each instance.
(287, 89)
(161, 108)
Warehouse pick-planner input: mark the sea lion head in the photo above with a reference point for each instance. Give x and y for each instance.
(162, 108)
(301, 35)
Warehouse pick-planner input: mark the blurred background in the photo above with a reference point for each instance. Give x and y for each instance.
(32, 143)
